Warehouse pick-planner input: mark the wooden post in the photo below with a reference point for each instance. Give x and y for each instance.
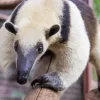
(87, 80)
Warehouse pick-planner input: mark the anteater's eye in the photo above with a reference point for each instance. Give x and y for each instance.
(40, 48)
(16, 46)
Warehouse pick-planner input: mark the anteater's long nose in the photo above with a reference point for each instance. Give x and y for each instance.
(24, 65)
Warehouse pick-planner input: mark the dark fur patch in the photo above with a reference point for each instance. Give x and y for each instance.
(16, 11)
(48, 53)
(89, 19)
(65, 27)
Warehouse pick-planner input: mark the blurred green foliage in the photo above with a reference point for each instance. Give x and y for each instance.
(94, 74)
(96, 5)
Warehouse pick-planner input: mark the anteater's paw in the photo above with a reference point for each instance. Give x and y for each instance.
(50, 80)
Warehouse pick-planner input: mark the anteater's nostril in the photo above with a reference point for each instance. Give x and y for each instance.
(22, 80)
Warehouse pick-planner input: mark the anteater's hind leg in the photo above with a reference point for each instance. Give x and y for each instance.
(95, 57)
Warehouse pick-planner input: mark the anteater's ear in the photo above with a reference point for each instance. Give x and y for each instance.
(11, 27)
(52, 31)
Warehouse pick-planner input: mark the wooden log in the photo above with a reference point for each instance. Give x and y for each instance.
(42, 94)
(93, 95)
(9, 4)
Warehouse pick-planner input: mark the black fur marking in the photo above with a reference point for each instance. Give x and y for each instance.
(16, 11)
(10, 27)
(65, 27)
(49, 80)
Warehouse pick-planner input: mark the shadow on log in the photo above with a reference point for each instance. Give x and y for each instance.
(42, 94)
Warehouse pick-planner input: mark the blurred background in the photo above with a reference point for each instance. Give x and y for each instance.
(10, 90)
(96, 7)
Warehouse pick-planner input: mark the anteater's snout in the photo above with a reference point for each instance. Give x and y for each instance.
(24, 65)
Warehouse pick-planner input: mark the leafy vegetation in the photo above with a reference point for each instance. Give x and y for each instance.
(96, 5)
